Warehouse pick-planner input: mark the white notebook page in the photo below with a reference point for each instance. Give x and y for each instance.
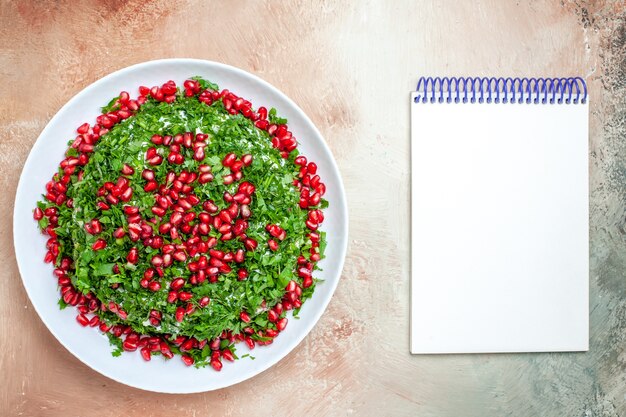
(499, 207)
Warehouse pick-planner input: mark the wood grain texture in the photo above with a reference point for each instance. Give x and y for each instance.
(350, 66)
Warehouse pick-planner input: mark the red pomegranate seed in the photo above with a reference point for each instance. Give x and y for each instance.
(129, 210)
(281, 324)
(127, 170)
(239, 256)
(146, 354)
(236, 166)
(204, 301)
(228, 355)
(216, 364)
(249, 342)
(184, 296)
(38, 214)
(245, 317)
(307, 282)
(99, 244)
(177, 284)
(242, 274)
(190, 308)
(273, 245)
(228, 179)
(165, 350)
(154, 286)
(300, 160)
(205, 178)
(272, 316)
(150, 186)
(187, 360)
(250, 244)
(82, 320)
(129, 345)
(82, 129)
(179, 256)
(158, 211)
(246, 159)
(180, 314)
(291, 286)
(156, 260)
(148, 175)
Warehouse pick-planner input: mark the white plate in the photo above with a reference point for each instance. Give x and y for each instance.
(88, 344)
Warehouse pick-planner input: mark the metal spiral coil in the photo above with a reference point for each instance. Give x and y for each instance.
(506, 90)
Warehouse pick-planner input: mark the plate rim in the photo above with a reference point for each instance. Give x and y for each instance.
(343, 246)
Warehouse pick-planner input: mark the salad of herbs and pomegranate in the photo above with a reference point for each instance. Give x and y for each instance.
(184, 222)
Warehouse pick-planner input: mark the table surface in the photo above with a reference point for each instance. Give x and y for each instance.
(350, 66)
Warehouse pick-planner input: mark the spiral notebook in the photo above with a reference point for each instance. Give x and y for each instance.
(499, 213)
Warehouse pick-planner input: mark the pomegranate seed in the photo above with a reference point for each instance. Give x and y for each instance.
(119, 233)
(148, 175)
(249, 342)
(273, 245)
(82, 320)
(158, 211)
(245, 317)
(228, 355)
(184, 296)
(154, 286)
(127, 170)
(38, 214)
(82, 129)
(236, 166)
(179, 256)
(129, 345)
(187, 360)
(291, 286)
(156, 260)
(165, 350)
(281, 324)
(272, 316)
(250, 244)
(99, 244)
(150, 186)
(177, 284)
(180, 314)
(204, 301)
(216, 364)
(246, 159)
(245, 211)
(300, 160)
(146, 354)
(242, 274)
(262, 124)
(205, 178)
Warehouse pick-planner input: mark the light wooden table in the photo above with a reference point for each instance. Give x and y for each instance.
(350, 66)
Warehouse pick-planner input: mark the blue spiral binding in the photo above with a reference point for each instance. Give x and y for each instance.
(571, 90)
